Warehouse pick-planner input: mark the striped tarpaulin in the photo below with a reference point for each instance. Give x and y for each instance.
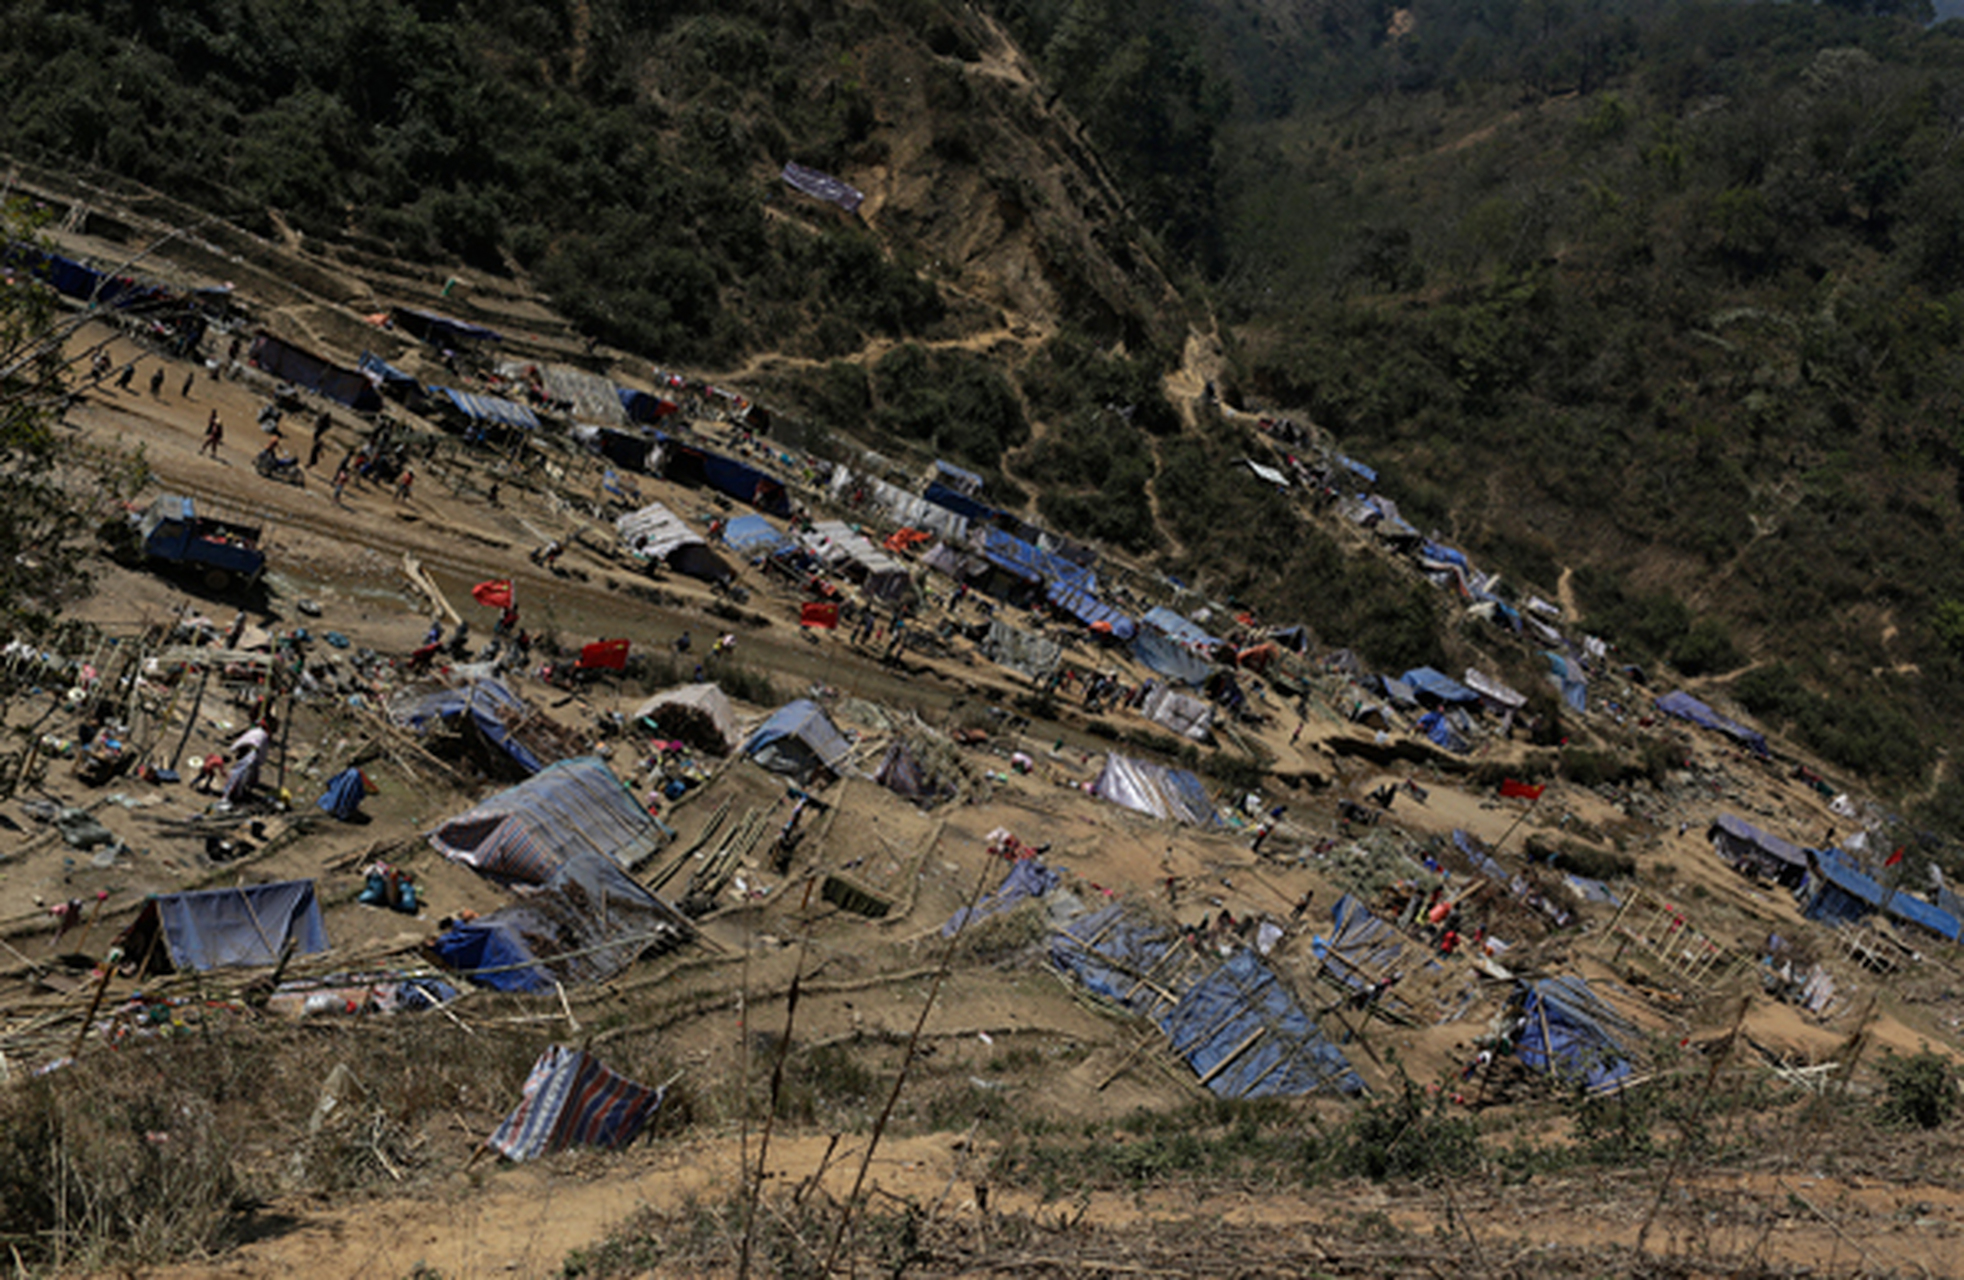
(571, 1100)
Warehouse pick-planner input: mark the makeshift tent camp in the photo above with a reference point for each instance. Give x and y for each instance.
(752, 535)
(1572, 1033)
(798, 740)
(1841, 893)
(1175, 795)
(1232, 1021)
(686, 463)
(488, 409)
(1187, 716)
(588, 921)
(912, 509)
(526, 833)
(878, 574)
(1360, 948)
(570, 1100)
(1756, 852)
(223, 928)
(655, 533)
(1079, 598)
(698, 714)
(1685, 707)
(304, 369)
(491, 720)
(1026, 652)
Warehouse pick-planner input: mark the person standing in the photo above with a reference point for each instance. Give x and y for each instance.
(184, 392)
(340, 483)
(214, 435)
(123, 381)
(321, 424)
(157, 382)
(403, 481)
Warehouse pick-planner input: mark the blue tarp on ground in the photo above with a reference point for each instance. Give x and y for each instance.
(586, 923)
(1169, 657)
(1234, 1022)
(290, 364)
(1434, 725)
(796, 739)
(478, 408)
(1175, 795)
(488, 702)
(1358, 467)
(525, 833)
(1685, 707)
(1360, 945)
(221, 928)
(754, 535)
(1439, 685)
(1028, 878)
(1571, 1033)
(1844, 893)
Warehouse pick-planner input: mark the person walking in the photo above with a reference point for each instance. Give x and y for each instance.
(157, 382)
(403, 481)
(123, 381)
(340, 483)
(321, 424)
(190, 379)
(214, 435)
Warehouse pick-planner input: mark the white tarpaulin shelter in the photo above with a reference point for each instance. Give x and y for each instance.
(656, 533)
(1187, 716)
(1494, 692)
(1173, 794)
(694, 711)
(594, 398)
(877, 573)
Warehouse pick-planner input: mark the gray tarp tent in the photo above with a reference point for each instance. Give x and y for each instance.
(221, 928)
(797, 740)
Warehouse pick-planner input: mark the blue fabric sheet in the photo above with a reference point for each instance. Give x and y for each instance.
(219, 928)
(1685, 707)
(1571, 1033)
(1028, 878)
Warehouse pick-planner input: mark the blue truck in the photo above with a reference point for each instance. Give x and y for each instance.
(170, 531)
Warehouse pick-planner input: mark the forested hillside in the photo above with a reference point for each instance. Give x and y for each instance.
(1665, 295)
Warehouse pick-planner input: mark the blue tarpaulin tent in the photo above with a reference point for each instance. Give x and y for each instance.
(1176, 627)
(797, 739)
(380, 371)
(1232, 1021)
(1169, 657)
(1758, 852)
(961, 478)
(690, 464)
(1437, 684)
(1359, 947)
(441, 330)
(508, 413)
(1685, 707)
(1080, 600)
(221, 928)
(290, 364)
(1175, 795)
(587, 922)
(488, 703)
(1434, 725)
(1027, 878)
(961, 504)
(1570, 1032)
(1570, 678)
(753, 535)
(570, 1100)
(1842, 892)
(1439, 553)
(643, 407)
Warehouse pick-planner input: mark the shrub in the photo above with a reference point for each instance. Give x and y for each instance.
(1919, 1090)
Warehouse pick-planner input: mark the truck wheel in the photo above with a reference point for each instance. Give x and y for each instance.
(218, 579)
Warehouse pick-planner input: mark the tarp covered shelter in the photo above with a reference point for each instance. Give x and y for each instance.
(1427, 682)
(753, 535)
(1756, 852)
(1169, 657)
(593, 398)
(225, 928)
(527, 832)
(1026, 652)
(1494, 692)
(1232, 1021)
(440, 330)
(385, 375)
(944, 558)
(1685, 707)
(485, 707)
(640, 406)
(797, 740)
(1436, 726)
(1841, 892)
(492, 409)
(570, 1100)
(1175, 795)
(1360, 948)
(959, 478)
(656, 533)
(1569, 677)
(588, 921)
(1181, 629)
(1183, 714)
(1027, 878)
(1079, 598)
(822, 186)
(289, 363)
(1571, 1033)
(878, 574)
(698, 714)
(691, 464)
(903, 772)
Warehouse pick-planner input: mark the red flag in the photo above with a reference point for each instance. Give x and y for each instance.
(819, 615)
(495, 594)
(1893, 858)
(604, 655)
(1509, 787)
